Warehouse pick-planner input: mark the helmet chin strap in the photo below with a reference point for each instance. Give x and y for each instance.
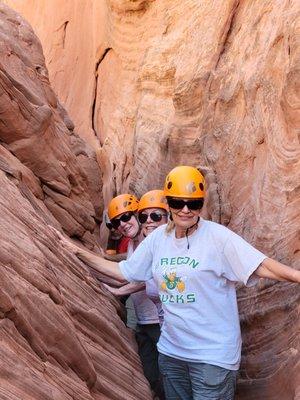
(187, 232)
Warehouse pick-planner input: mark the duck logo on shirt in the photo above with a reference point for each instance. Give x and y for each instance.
(175, 289)
(172, 281)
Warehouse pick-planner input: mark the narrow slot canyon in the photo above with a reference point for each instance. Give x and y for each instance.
(99, 98)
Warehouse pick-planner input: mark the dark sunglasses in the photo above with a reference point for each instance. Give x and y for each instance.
(178, 204)
(154, 216)
(115, 222)
(109, 225)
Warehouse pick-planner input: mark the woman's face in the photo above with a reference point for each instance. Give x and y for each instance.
(129, 228)
(149, 225)
(185, 217)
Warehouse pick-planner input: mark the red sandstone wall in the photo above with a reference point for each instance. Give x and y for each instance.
(163, 82)
(61, 336)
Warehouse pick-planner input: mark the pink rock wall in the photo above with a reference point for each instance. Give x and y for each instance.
(61, 336)
(71, 58)
(208, 83)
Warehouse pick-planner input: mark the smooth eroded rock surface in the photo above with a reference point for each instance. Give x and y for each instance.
(61, 336)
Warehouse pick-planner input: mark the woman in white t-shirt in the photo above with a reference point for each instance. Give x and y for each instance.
(195, 264)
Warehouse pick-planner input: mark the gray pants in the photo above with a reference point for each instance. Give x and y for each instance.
(185, 380)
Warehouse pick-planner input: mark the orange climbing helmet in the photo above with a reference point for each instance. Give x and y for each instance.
(153, 199)
(121, 204)
(186, 182)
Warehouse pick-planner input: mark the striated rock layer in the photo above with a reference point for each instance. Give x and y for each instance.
(61, 336)
(211, 83)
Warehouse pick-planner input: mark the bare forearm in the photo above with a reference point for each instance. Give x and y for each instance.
(99, 264)
(273, 269)
(116, 283)
(116, 257)
(129, 289)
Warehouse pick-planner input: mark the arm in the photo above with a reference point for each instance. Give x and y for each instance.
(105, 267)
(137, 267)
(273, 269)
(107, 280)
(116, 257)
(126, 289)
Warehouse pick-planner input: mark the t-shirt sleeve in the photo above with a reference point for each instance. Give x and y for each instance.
(241, 260)
(138, 266)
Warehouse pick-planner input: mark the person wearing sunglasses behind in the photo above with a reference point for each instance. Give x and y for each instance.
(122, 212)
(195, 263)
(152, 212)
(116, 248)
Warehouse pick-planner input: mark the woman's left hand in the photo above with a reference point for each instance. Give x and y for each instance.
(112, 290)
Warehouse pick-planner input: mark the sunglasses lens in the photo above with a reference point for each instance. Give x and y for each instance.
(194, 204)
(109, 225)
(143, 218)
(115, 223)
(124, 218)
(176, 204)
(156, 217)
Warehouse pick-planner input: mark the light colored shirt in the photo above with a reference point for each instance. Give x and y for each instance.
(153, 294)
(145, 311)
(197, 290)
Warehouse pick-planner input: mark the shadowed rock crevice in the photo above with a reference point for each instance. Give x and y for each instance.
(94, 119)
(228, 28)
(64, 33)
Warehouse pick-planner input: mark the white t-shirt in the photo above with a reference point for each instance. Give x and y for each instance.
(197, 290)
(145, 310)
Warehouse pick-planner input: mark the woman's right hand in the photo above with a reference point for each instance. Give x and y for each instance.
(66, 243)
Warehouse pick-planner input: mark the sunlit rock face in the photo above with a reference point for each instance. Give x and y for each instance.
(151, 84)
(61, 336)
